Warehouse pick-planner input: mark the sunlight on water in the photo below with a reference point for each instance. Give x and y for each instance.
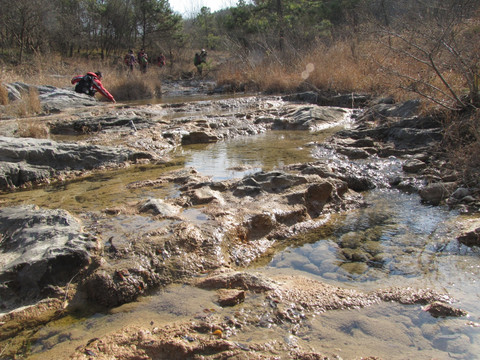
(395, 241)
(246, 155)
(97, 192)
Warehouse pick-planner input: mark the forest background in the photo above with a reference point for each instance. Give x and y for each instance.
(404, 49)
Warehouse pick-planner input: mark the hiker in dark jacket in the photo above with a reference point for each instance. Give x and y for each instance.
(90, 83)
(142, 58)
(130, 60)
(199, 60)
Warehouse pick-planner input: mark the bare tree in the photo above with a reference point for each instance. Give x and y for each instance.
(438, 39)
(24, 21)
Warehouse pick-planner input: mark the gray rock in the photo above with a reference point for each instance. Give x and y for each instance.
(24, 160)
(385, 110)
(435, 193)
(312, 118)
(272, 182)
(441, 309)
(39, 248)
(317, 196)
(51, 98)
(159, 207)
(199, 137)
(204, 196)
(313, 97)
(413, 165)
(353, 153)
(460, 193)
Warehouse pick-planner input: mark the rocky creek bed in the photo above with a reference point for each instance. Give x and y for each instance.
(55, 261)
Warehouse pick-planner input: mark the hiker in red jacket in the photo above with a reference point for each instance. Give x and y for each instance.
(90, 83)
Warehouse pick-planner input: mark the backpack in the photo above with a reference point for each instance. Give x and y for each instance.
(197, 60)
(143, 58)
(85, 85)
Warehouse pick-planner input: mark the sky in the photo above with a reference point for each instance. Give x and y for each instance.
(189, 7)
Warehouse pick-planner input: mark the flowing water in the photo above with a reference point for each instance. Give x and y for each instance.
(395, 241)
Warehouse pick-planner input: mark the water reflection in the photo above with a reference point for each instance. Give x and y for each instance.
(394, 241)
(246, 155)
(395, 235)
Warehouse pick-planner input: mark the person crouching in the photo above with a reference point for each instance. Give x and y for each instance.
(90, 83)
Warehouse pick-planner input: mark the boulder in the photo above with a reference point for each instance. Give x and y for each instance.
(311, 118)
(435, 193)
(313, 97)
(199, 137)
(40, 248)
(413, 165)
(230, 297)
(387, 109)
(236, 280)
(204, 196)
(51, 98)
(317, 196)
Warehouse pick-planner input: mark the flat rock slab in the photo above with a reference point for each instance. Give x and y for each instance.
(24, 160)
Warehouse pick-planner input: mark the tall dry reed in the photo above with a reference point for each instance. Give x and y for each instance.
(333, 68)
(3, 95)
(28, 105)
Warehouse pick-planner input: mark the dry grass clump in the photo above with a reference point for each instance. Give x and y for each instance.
(335, 68)
(135, 85)
(31, 103)
(28, 105)
(3, 95)
(32, 129)
(234, 76)
(275, 78)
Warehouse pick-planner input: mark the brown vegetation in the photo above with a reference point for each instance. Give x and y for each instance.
(32, 128)
(3, 95)
(462, 144)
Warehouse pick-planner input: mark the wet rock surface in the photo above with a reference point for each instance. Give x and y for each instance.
(243, 219)
(119, 134)
(284, 301)
(26, 161)
(40, 249)
(386, 130)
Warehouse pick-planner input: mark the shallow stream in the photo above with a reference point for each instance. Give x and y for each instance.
(395, 241)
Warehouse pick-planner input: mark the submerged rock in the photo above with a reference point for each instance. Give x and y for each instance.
(470, 237)
(441, 309)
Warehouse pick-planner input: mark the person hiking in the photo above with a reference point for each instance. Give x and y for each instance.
(143, 60)
(199, 60)
(130, 60)
(161, 61)
(90, 83)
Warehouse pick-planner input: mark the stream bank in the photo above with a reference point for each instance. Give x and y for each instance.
(207, 228)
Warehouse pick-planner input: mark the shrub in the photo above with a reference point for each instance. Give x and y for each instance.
(132, 86)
